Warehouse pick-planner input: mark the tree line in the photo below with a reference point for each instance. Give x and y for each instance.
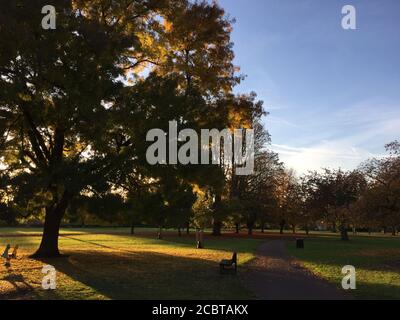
(366, 198)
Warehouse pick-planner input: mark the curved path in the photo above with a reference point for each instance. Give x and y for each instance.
(274, 275)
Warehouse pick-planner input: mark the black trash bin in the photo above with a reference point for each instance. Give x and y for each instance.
(300, 243)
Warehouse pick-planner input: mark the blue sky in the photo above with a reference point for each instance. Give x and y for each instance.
(333, 94)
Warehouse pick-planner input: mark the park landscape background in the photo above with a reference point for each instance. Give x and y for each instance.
(77, 192)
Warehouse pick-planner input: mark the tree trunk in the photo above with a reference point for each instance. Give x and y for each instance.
(217, 223)
(307, 230)
(202, 238)
(263, 227)
(250, 226)
(179, 232)
(394, 231)
(237, 226)
(282, 226)
(334, 229)
(188, 228)
(159, 235)
(132, 228)
(294, 229)
(343, 233)
(49, 245)
(217, 226)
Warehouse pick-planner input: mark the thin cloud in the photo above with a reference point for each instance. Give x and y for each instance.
(327, 154)
(343, 138)
(281, 121)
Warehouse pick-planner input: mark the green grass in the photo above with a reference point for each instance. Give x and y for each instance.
(376, 259)
(101, 265)
(108, 263)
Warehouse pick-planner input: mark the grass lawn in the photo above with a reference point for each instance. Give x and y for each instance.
(110, 264)
(377, 262)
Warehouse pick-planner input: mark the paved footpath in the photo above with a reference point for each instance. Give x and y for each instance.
(274, 275)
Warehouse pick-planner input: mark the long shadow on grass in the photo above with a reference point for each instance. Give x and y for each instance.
(19, 284)
(223, 244)
(145, 275)
(227, 244)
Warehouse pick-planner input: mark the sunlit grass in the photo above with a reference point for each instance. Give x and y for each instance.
(377, 262)
(120, 266)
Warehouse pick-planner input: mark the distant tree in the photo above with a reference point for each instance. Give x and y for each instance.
(180, 199)
(251, 195)
(335, 193)
(203, 209)
(382, 199)
(294, 204)
(285, 181)
(311, 213)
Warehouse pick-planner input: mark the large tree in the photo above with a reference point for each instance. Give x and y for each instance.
(57, 90)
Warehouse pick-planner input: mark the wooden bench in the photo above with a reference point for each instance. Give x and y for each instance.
(7, 256)
(13, 255)
(225, 265)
